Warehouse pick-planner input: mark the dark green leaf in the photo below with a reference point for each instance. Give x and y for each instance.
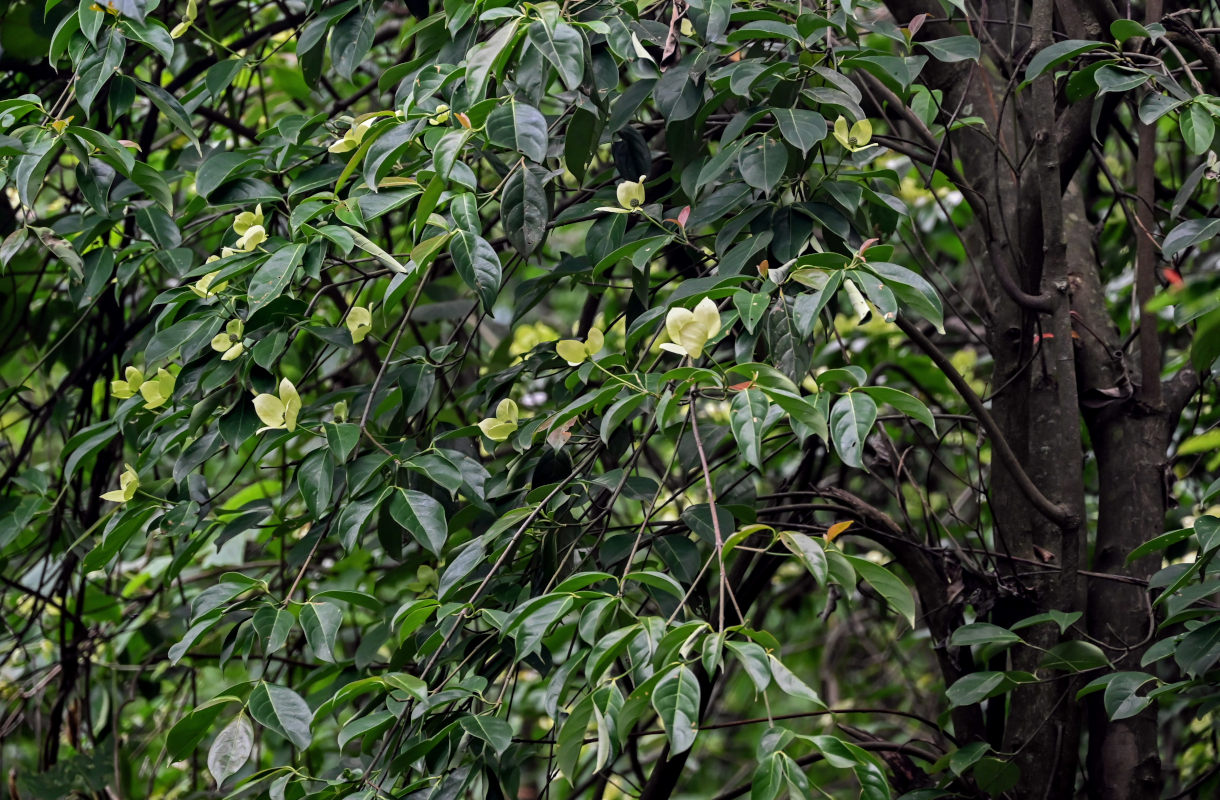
(281, 710)
(851, 419)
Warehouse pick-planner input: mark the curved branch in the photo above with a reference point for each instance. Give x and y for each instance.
(1055, 512)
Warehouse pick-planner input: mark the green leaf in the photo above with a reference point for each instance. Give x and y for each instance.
(1110, 78)
(952, 49)
(976, 687)
(1207, 531)
(231, 749)
(1062, 619)
(808, 552)
(982, 633)
(902, 402)
(564, 47)
(493, 730)
(422, 516)
(1158, 543)
(572, 737)
(965, 757)
(173, 111)
(888, 585)
(521, 127)
(282, 711)
(376, 251)
(751, 307)
(1198, 128)
(476, 261)
(676, 700)
(217, 168)
(1074, 656)
(762, 163)
(1189, 234)
(1199, 650)
(360, 726)
(1120, 698)
(800, 127)
(754, 660)
(851, 419)
(580, 141)
(351, 39)
(321, 622)
(913, 290)
(484, 57)
(62, 249)
(273, 277)
(189, 731)
(748, 417)
(1204, 350)
(791, 685)
(525, 211)
(1056, 54)
(315, 478)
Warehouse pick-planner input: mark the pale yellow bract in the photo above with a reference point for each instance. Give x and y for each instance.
(856, 137)
(352, 139)
(690, 330)
(130, 387)
(359, 323)
(575, 351)
(502, 425)
(279, 412)
(248, 219)
(203, 287)
(229, 342)
(129, 482)
(630, 196)
(158, 389)
(252, 238)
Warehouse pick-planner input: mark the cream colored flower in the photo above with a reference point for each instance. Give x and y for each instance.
(575, 351)
(279, 412)
(502, 425)
(204, 288)
(158, 390)
(247, 219)
(252, 238)
(359, 323)
(130, 387)
(129, 482)
(855, 138)
(689, 330)
(229, 342)
(354, 136)
(630, 196)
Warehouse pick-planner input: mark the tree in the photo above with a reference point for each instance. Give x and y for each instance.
(608, 399)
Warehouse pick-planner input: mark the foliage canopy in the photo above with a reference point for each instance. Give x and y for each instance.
(607, 399)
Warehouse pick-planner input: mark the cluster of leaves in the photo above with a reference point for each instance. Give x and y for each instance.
(472, 383)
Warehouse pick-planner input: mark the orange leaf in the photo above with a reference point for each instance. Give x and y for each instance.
(741, 387)
(834, 530)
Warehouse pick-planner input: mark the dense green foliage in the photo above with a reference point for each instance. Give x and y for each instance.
(498, 399)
